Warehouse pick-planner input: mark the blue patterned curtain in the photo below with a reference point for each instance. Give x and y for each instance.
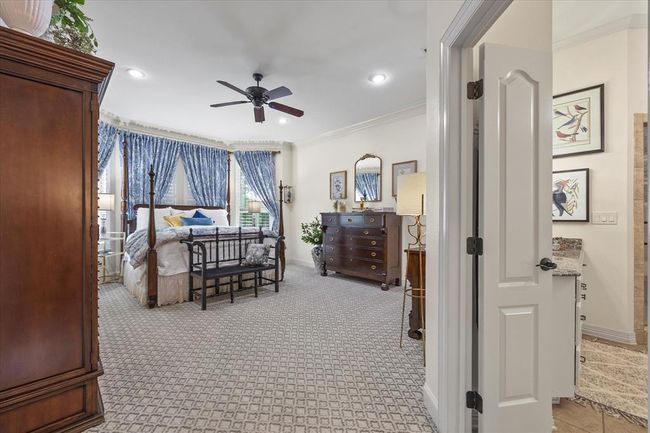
(142, 151)
(368, 185)
(259, 169)
(206, 169)
(106, 139)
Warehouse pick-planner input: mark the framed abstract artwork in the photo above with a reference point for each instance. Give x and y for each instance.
(579, 122)
(571, 195)
(339, 185)
(400, 168)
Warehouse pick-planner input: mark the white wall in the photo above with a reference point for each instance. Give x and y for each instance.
(618, 60)
(394, 138)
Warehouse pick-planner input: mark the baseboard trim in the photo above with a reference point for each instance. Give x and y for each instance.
(430, 403)
(609, 334)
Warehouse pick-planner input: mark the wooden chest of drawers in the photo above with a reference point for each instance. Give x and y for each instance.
(365, 245)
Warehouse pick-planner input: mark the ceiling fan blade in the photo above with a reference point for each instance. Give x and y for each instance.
(259, 114)
(225, 104)
(236, 89)
(278, 92)
(286, 109)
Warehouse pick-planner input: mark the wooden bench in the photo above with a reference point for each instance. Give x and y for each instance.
(223, 255)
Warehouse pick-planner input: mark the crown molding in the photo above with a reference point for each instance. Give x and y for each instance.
(385, 119)
(631, 22)
(258, 145)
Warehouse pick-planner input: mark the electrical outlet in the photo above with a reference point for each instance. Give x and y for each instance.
(609, 218)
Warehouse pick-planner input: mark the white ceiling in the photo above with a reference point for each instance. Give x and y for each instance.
(574, 17)
(323, 51)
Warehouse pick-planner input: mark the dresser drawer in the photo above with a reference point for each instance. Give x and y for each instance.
(330, 219)
(360, 220)
(361, 265)
(353, 241)
(351, 252)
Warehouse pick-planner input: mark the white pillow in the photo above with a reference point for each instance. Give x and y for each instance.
(190, 213)
(142, 217)
(219, 216)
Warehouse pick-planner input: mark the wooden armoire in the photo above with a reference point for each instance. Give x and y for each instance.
(49, 357)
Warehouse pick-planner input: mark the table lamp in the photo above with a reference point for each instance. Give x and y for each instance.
(254, 208)
(106, 203)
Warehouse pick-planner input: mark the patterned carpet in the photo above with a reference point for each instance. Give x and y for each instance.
(615, 377)
(321, 356)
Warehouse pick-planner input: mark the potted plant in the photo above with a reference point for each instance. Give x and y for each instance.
(70, 27)
(312, 233)
(27, 16)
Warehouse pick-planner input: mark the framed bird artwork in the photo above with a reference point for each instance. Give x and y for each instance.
(579, 122)
(571, 195)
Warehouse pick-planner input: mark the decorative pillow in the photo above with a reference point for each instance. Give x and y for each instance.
(142, 217)
(257, 255)
(198, 214)
(174, 220)
(219, 216)
(196, 221)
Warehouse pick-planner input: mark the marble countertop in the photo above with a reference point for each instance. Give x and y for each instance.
(568, 255)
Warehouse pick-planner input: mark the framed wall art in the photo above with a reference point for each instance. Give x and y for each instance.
(579, 122)
(339, 185)
(571, 195)
(400, 168)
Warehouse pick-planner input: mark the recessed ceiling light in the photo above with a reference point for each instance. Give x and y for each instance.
(377, 78)
(135, 73)
(282, 120)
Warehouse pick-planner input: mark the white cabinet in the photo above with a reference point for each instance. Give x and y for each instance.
(566, 334)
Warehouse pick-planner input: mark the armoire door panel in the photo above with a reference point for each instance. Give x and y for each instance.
(42, 196)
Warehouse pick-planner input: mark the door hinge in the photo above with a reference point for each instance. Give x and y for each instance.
(475, 89)
(475, 246)
(473, 400)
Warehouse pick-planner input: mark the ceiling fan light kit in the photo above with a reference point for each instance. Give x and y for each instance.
(259, 96)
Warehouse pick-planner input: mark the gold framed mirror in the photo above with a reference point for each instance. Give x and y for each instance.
(367, 178)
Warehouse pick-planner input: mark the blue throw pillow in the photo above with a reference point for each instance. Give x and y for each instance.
(198, 214)
(196, 221)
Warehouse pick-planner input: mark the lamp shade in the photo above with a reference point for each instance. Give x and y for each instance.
(254, 206)
(106, 201)
(411, 193)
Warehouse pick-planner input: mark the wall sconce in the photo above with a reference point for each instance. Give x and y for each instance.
(288, 194)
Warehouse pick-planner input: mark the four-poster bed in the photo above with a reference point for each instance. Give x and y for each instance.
(129, 226)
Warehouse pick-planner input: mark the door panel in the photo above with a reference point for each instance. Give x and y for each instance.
(514, 222)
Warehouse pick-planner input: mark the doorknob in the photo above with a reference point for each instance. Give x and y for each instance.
(547, 264)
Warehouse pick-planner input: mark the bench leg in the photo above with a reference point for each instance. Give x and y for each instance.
(204, 293)
(239, 282)
(232, 293)
(255, 278)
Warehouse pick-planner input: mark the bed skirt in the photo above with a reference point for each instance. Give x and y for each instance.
(172, 289)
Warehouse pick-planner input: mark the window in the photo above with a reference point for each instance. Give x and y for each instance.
(245, 194)
(170, 195)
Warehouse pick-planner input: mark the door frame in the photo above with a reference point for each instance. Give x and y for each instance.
(472, 21)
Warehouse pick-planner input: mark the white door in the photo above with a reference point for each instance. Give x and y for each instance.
(515, 225)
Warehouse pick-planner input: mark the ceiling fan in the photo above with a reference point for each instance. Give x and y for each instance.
(259, 96)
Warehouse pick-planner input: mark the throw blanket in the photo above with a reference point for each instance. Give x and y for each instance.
(136, 244)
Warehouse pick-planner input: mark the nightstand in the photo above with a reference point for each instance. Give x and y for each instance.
(105, 252)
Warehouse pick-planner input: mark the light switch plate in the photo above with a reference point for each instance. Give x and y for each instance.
(609, 218)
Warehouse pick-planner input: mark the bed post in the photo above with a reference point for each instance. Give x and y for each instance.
(125, 189)
(282, 247)
(228, 191)
(152, 257)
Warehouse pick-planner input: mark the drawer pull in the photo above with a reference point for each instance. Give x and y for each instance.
(350, 259)
(583, 296)
(583, 359)
(365, 232)
(583, 317)
(372, 220)
(349, 220)
(373, 254)
(331, 259)
(373, 243)
(338, 230)
(331, 239)
(373, 267)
